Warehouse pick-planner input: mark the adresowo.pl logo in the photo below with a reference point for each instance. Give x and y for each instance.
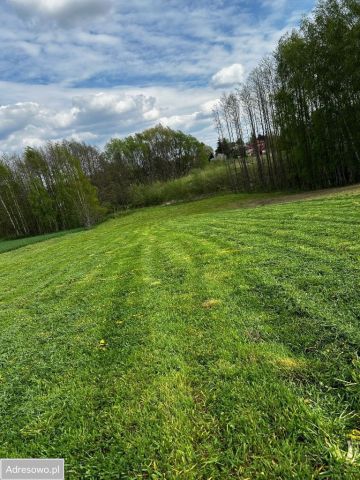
(32, 469)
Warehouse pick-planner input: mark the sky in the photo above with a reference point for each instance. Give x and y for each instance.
(92, 70)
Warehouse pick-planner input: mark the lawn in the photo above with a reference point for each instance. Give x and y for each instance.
(196, 341)
(7, 245)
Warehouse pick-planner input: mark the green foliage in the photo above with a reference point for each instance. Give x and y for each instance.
(192, 341)
(45, 191)
(67, 185)
(207, 181)
(42, 206)
(157, 154)
(300, 106)
(301, 109)
(318, 102)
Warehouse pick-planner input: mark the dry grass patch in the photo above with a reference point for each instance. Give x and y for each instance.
(211, 303)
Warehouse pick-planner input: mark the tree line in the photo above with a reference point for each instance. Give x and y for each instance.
(299, 109)
(70, 184)
(295, 123)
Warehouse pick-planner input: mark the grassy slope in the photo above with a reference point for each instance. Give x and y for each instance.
(8, 245)
(232, 339)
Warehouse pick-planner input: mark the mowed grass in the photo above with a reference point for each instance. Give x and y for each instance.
(8, 245)
(197, 341)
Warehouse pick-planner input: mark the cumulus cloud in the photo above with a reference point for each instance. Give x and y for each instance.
(208, 107)
(16, 117)
(229, 76)
(139, 42)
(129, 65)
(200, 118)
(103, 107)
(57, 112)
(89, 117)
(183, 122)
(62, 11)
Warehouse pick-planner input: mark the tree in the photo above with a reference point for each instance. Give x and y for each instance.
(157, 154)
(305, 104)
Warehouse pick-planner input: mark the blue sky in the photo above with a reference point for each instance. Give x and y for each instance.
(95, 69)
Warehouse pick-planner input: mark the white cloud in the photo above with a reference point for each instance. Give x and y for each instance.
(105, 107)
(152, 114)
(200, 118)
(84, 137)
(89, 116)
(62, 11)
(207, 107)
(124, 66)
(96, 117)
(229, 76)
(140, 40)
(16, 117)
(177, 122)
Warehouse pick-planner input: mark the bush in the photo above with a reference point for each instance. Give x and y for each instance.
(207, 181)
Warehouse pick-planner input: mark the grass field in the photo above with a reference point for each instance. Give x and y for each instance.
(197, 341)
(7, 245)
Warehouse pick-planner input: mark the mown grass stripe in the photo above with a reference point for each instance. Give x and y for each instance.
(210, 344)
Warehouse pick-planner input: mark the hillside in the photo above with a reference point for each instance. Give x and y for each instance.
(194, 341)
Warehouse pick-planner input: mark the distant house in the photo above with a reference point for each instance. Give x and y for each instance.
(260, 145)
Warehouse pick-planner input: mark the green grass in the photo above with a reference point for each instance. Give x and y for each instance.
(231, 343)
(7, 245)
